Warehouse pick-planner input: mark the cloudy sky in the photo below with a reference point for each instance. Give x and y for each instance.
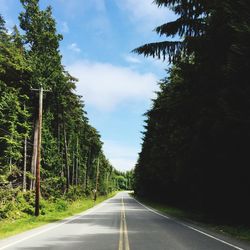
(116, 85)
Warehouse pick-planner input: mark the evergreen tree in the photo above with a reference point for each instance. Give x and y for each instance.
(71, 147)
(196, 140)
(14, 116)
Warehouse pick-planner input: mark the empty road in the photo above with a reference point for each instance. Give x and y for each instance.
(120, 223)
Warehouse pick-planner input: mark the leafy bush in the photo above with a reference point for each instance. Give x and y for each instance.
(61, 205)
(53, 187)
(15, 203)
(74, 193)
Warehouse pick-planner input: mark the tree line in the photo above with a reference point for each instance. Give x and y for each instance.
(71, 149)
(195, 151)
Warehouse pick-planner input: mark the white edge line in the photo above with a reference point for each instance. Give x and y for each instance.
(57, 225)
(190, 227)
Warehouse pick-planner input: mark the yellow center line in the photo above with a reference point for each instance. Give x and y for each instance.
(121, 234)
(123, 240)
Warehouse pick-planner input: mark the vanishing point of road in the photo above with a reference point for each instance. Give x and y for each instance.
(121, 223)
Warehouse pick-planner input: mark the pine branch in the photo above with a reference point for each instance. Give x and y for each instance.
(182, 26)
(161, 49)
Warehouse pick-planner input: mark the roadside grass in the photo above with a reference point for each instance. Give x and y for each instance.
(239, 232)
(52, 212)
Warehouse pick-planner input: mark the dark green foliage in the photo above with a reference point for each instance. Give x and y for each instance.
(15, 204)
(192, 23)
(196, 143)
(124, 181)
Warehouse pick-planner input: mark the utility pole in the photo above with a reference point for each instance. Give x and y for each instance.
(34, 155)
(40, 115)
(38, 149)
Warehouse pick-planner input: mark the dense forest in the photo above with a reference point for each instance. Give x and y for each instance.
(72, 160)
(196, 143)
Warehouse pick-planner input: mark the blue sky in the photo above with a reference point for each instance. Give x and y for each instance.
(117, 86)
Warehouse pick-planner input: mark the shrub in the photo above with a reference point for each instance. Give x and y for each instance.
(61, 205)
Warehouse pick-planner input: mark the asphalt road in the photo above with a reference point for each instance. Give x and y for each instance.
(120, 223)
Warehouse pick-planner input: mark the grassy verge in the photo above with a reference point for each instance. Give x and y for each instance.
(55, 212)
(238, 232)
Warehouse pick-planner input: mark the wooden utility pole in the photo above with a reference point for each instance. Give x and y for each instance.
(38, 148)
(40, 115)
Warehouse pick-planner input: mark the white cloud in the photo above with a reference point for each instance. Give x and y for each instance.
(132, 59)
(104, 86)
(74, 47)
(146, 12)
(122, 164)
(122, 157)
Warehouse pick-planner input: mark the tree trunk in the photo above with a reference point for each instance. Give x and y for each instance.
(58, 130)
(66, 158)
(85, 172)
(96, 179)
(73, 168)
(10, 159)
(24, 163)
(87, 167)
(77, 162)
(107, 182)
(10, 164)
